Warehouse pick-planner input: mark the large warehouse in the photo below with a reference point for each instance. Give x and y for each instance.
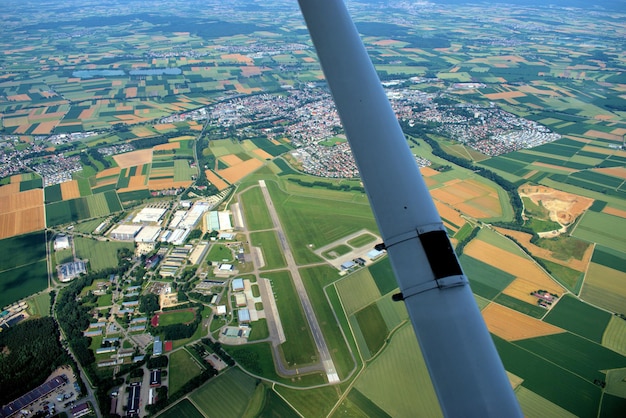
(125, 232)
(149, 215)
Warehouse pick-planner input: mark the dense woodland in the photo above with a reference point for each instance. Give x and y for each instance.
(29, 353)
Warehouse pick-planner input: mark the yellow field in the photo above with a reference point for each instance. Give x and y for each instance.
(263, 154)
(449, 214)
(164, 126)
(129, 159)
(162, 184)
(215, 180)
(239, 171)
(428, 172)
(531, 275)
(231, 160)
(168, 146)
(470, 197)
(512, 325)
(108, 172)
(604, 135)
(9, 189)
(69, 190)
(21, 213)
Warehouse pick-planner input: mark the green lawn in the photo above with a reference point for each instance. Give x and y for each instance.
(226, 395)
(272, 254)
(182, 368)
(101, 254)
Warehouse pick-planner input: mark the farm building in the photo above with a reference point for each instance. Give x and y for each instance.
(237, 285)
(62, 242)
(149, 215)
(125, 232)
(68, 271)
(148, 234)
(244, 316)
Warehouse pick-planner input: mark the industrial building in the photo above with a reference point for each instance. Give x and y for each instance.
(125, 232)
(68, 271)
(237, 285)
(243, 316)
(217, 221)
(148, 234)
(149, 215)
(62, 242)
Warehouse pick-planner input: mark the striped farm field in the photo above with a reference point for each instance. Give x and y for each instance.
(21, 213)
(605, 287)
(614, 336)
(512, 325)
(239, 171)
(450, 215)
(215, 180)
(233, 385)
(535, 406)
(129, 159)
(69, 190)
(393, 377)
(614, 211)
(471, 197)
(603, 229)
(161, 184)
(521, 267)
(357, 291)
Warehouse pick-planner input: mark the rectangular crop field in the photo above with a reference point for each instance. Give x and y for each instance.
(226, 395)
(614, 336)
(534, 405)
(21, 213)
(604, 229)
(559, 386)
(393, 377)
(183, 409)
(485, 280)
(373, 327)
(21, 282)
(357, 291)
(605, 287)
(513, 325)
(383, 276)
(579, 317)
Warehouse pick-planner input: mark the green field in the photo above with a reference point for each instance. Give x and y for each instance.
(337, 251)
(23, 267)
(603, 229)
(39, 305)
(580, 318)
(101, 254)
(393, 377)
(534, 406)
(327, 220)
(220, 253)
(357, 291)
(313, 403)
(182, 409)
(299, 349)
(361, 240)
(373, 327)
(92, 206)
(272, 254)
(256, 215)
(384, 276)
(572, 392)
(182, 368)
(232, 385)
(614, 336)
(315, 280)
(176, 317)
(485, 280)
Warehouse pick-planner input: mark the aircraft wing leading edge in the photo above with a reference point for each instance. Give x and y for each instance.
(466, 371)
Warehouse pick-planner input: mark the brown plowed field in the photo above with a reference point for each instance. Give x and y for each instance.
(613, 211)
(69, 190)
(512, 325)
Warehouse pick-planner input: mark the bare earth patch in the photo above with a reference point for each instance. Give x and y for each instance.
(564, 207)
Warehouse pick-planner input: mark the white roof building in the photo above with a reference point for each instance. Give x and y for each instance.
(149, 215)
(148, 234)
(125, 232)
(62, 242)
